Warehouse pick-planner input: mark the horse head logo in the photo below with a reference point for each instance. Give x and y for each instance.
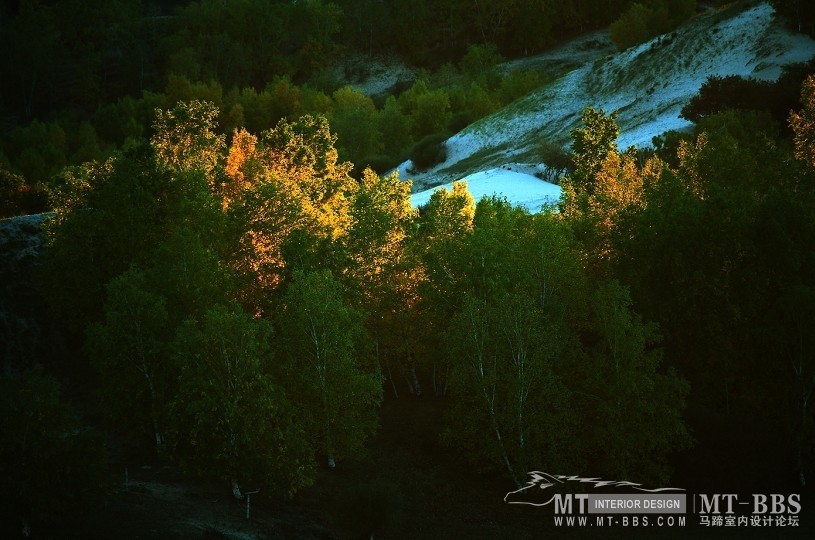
(542, 488)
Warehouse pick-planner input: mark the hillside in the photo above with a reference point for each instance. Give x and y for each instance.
(647, 85)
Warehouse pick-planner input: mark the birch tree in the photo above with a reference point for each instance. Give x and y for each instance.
(231, 420)
(510, 346)
(129, 348)
(332, 380)
(639, 402)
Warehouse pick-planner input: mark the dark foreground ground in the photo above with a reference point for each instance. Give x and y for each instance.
(407, 486)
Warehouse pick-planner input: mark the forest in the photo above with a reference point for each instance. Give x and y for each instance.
(243, 288)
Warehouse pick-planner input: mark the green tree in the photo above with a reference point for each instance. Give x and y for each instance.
(230, 419)
(34, 51)
(11, 190)
(591, 143)
(395, 129)
(639, 403)
(382, 273)
(633, 27)
(432, 114)
(440, 241)
(129, 347)
(510, 343)
(799, 14)
(480, 64)
(328, 369)
(52, 466)
(185, 139)
(354, 122)
(531, 28)
(94, 236)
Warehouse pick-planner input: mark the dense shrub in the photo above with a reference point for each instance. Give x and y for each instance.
(718, 94)
(632, 28)
(557, 159)
(731, 92)
(644, 20)
(379, 163)
(430, 151)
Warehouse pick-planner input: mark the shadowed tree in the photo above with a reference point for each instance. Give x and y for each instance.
(639, 403)
(230, 419)
(129, 348)
(327, 370)
(52, 467)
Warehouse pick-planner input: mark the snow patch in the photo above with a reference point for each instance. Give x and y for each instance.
(519, 188)
(647, 85)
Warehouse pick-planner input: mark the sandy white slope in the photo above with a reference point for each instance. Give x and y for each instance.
(647, 85)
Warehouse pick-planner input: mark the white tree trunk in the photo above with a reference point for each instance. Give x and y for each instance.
(236, 490)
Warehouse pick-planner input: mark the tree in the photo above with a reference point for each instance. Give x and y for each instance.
(718, 94)
(230, 418)
(432, 114)
(329, 375)
(799, 14)
(590, 145)
(34, 53)
(639, 405)
(381, 272)
(52, 466)
(444, 224)
(530, 30)
(303, 154)
(511, 345)
(395, 129)
(803, 124)
(354, 121)
(795, 312)
(129, 348)
(95, 236)
(633, 26)
(12, 187)
(185, 139)
(295, 197)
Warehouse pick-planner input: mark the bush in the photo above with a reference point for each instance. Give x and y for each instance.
(11, 188)
(460, 121)
(557, 159)
(520, 83)
(632, 27)
(430, 151)
(379, 163)
(432, 113)
(642, 22)
(480, 64)
(732, 92)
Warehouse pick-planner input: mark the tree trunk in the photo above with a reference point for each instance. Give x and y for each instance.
(414, 379)
(236, 490)
(390, 378)
(153, 414)
(504, 455)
